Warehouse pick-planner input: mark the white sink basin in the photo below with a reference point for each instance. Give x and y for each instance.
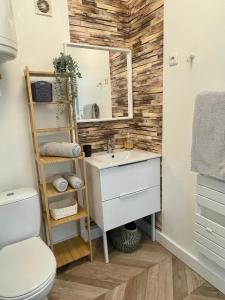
(105, 160)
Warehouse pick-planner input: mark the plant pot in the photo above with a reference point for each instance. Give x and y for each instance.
(126, 238)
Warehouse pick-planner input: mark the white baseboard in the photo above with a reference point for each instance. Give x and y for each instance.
(191, 261)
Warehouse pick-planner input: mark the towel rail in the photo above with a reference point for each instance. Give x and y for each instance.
(209, 228)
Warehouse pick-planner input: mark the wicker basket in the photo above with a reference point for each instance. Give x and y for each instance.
(126, 238)
(63, 208)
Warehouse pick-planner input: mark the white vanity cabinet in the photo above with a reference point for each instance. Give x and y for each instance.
(123, 193)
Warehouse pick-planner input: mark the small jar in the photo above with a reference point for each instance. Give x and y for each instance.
(128, 144)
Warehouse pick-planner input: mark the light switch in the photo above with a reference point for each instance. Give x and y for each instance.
(173, 59)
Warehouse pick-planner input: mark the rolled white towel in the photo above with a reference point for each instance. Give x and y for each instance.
(60, 184)
(74, 181)
(60, 149)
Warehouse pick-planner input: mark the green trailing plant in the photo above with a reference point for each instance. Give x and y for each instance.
(66, 73)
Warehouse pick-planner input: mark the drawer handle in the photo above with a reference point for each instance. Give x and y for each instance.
(133, 163)
(134, 193)
(209, 230)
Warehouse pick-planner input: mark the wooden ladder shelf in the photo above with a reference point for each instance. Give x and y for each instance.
(75, 248)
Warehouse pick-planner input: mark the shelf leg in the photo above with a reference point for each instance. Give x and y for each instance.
(153, 227)
(105, 245)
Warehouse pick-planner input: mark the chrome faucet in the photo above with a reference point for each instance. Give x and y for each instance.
(110, 144)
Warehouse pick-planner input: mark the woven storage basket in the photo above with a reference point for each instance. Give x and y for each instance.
(63, 208)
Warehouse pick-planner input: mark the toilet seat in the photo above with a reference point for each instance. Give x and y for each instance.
(27, 268)
(35, 294)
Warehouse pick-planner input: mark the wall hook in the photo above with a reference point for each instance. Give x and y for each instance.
(191, 58)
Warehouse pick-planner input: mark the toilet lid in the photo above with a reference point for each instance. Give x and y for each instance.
(24, 267)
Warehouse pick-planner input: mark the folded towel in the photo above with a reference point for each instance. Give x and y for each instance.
(74, 181)
(60, 149)
(91, 111)
(208, 144)
(60, 184)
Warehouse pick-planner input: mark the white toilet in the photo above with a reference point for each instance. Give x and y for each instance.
(27, 265)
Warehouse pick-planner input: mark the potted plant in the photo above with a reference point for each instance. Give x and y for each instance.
(66, 73)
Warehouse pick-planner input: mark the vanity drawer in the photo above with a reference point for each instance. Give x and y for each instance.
(125, 209)
(130, 178)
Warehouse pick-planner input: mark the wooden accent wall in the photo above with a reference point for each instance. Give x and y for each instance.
(119, 83)
(99, 22)
(135, 24)
(146, 40)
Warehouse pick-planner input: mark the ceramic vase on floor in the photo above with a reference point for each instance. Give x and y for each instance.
(126, 238)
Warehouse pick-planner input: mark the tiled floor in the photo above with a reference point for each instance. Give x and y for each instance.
(150, 273)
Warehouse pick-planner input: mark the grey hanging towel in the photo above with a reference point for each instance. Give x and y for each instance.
(208, 137)
(91, 111)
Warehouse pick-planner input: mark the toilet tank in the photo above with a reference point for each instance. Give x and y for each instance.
(8, 45)
(20, 216)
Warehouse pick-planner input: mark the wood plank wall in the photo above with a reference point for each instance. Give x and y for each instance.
(99, 22)
(119, 83)
(130, 24)
(138, 25)
(146, 40)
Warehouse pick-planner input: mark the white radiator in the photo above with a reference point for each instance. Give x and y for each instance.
(209, 232)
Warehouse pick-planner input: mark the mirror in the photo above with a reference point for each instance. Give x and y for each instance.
(105, 89)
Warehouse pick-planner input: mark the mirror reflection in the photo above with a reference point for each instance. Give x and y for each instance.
(103, 90)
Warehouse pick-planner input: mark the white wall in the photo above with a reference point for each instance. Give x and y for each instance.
(40, 39)
(197, 26)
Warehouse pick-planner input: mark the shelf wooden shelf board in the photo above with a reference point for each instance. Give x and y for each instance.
(51, 103)
(51, 191)
(80, 214)
(57, 129)
(45, 74)
(70, 250)
(48, 160)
